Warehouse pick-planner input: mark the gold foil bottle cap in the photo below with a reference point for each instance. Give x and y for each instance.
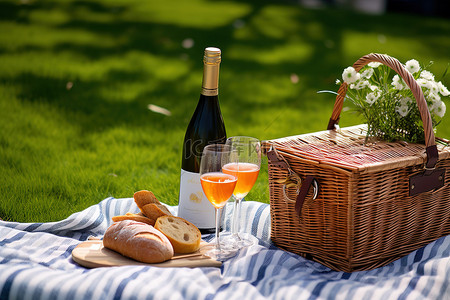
(212, 55)
(211, 63)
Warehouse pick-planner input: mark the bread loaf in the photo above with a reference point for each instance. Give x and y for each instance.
(135, 217)
(184, 236)
(138, 241)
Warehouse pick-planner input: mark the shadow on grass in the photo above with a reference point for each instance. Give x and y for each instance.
(318, 71)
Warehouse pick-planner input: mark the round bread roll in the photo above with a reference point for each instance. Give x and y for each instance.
(138, 241)
(184, 236)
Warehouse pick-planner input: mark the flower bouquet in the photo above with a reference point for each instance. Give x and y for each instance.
(388, 105)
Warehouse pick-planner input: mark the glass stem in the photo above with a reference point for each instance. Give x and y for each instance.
(218, 218)
(236, 215)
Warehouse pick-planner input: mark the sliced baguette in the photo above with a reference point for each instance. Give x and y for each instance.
(144, 197)
(183, 235)
(134, 217)
(154, 211)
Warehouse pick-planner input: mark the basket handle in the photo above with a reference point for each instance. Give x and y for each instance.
(394, 64)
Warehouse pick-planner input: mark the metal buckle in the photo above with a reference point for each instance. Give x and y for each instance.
(315, 190)
(291, 177)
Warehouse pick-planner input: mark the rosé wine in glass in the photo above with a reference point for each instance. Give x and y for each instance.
(218, 187)
(247, 174)
(249, 162)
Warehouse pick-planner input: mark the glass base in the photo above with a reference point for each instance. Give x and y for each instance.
(220, 254)
(238, 240)
(229, 246)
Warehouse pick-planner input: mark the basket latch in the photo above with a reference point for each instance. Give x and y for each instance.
(431, 178)
(426, 181)
(306, 184)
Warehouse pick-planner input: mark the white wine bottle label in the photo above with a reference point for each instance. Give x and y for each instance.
(193, 204)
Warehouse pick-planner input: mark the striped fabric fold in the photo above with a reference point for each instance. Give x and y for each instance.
(36, 263)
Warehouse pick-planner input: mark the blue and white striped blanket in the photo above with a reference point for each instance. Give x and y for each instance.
(36, 263)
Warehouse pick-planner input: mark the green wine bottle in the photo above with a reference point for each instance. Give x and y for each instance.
(205, 127)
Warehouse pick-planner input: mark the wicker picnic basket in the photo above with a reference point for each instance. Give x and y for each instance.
(353, 204)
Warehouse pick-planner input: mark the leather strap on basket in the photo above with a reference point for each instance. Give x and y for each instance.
(276, 161)
(424, 182)
(309, 181)
(394, 64)
(306, 185)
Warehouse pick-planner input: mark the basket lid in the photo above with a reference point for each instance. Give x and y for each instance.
(348, 148)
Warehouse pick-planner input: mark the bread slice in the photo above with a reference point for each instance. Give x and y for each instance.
(144, 197)
(134, 217)
(154, 211)
(183, 235)
(138, 241)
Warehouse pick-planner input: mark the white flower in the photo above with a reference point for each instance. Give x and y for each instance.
(397, 82)
(367, 73)
(439, 108)
(338, 82)
(427, 75)
(423, 83)
(373, 88)
(402, 110)
(359, 85)
(350, 75)
(374, 64)
(433, 87)
(405, 101)
(443, 89)
(434, 97)
(372, 97)
(412, 66)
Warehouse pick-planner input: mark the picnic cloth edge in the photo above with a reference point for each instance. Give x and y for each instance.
(35, 263)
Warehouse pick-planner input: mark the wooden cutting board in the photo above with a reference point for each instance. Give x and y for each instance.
(92, 254)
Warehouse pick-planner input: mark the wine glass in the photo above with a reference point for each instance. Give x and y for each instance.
(217, 185)
(249, 162)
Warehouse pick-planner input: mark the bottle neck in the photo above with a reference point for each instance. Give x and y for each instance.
(210, 84)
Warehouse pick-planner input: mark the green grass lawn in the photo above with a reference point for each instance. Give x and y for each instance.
(76, 79)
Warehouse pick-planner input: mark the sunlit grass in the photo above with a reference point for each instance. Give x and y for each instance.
(76, 79)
